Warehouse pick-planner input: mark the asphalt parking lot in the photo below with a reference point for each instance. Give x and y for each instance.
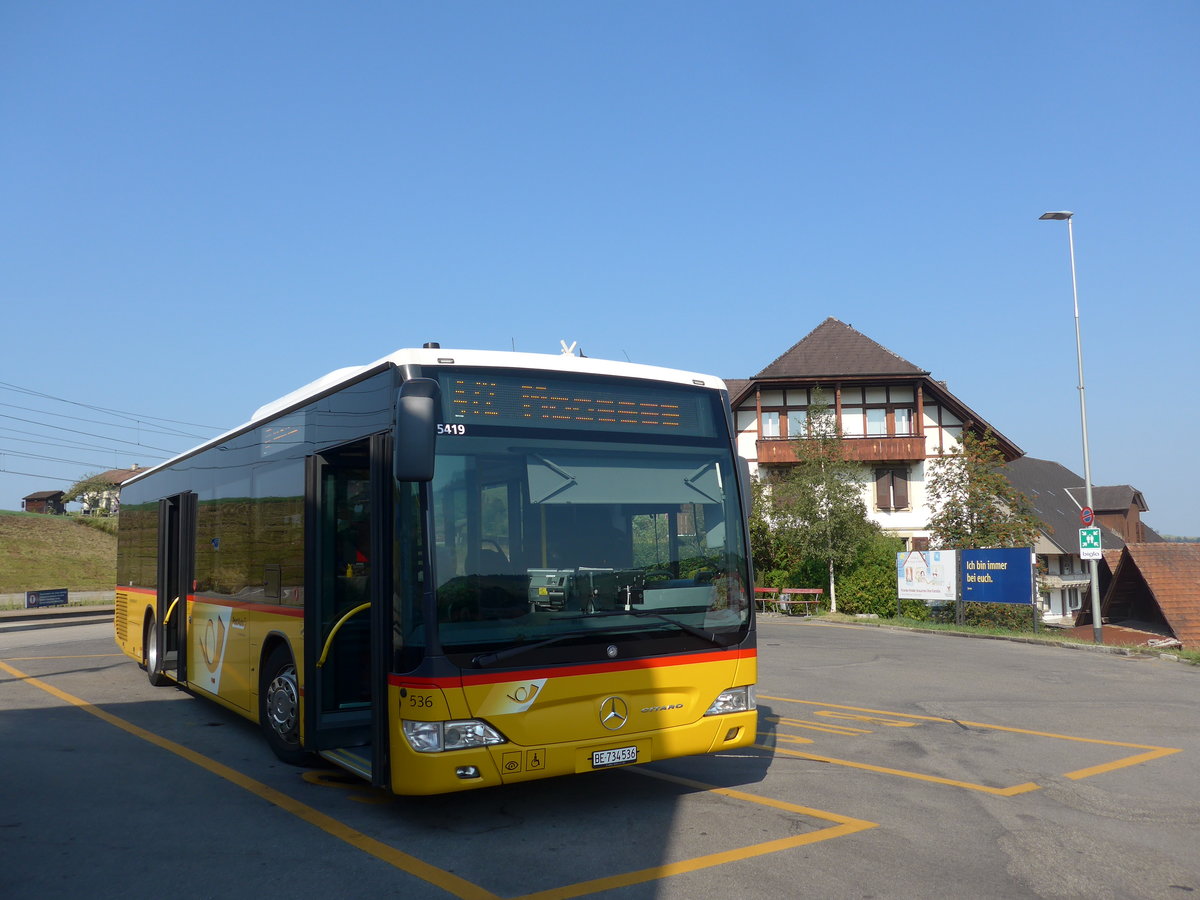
(889, 764)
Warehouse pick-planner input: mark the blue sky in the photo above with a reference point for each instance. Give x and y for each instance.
(207, 205)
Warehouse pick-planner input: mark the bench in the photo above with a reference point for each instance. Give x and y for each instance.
(765, 597)
(805, 598)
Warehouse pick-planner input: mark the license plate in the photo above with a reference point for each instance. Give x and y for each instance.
(618, 757)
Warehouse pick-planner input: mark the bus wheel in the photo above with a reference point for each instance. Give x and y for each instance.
(279, 707)
(152, 654)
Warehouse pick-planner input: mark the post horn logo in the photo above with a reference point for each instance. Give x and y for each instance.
(614, 713)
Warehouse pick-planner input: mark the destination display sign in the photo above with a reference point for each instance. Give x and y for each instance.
(548, 400)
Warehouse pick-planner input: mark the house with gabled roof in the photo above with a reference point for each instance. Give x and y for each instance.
(894, 417)
(47, 502)
(1154, 594)
(104, 495)
(1118, 508)
(1058, 496)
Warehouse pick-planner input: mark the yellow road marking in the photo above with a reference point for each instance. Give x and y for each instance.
(1120, 763)
(1153, 752)
(447, 881)
(844, 825)
(453, 884)
(792, 739)
(918, 776)
(814, 726)
(877, 720)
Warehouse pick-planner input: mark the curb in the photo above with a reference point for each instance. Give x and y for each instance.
(1013, 639)
(13, 620)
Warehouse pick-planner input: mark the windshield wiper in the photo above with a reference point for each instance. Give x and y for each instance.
(485, 660)
(710, 636)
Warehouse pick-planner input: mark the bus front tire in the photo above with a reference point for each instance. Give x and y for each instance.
(279, 707)
(152, 654)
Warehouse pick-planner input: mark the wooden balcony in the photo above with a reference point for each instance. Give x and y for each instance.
(776, 451)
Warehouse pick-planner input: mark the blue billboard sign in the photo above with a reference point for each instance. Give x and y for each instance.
(997, 576)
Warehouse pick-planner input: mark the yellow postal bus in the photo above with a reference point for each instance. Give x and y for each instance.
(451, 569)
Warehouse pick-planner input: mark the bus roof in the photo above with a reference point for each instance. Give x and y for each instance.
(442, 356)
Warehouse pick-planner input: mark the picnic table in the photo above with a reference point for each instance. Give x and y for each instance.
(787, 600)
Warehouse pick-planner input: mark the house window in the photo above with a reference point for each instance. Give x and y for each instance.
(877, 421)
(770, 424)
(891, 489)
(1068, 565)
(1073, 598)
(904, 420)
(797, 423)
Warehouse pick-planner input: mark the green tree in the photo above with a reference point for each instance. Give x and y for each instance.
(87, 490)
(814, 509)
(974, 504)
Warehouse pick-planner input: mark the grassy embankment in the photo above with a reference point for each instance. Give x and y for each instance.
(40, 552)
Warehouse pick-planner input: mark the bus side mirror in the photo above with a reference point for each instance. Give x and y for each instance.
(416, 430)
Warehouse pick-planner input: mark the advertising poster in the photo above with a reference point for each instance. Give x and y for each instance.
(997, 576)
(926, 575)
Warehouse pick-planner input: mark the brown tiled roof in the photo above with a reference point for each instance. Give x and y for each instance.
(834, 348)
(116, 476)
(1156, 582)
(1109, 498)
(736, 386)
(1056, 503)
(44, 495)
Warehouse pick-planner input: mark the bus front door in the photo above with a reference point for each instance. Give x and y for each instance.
(166, 656)
(347, 550)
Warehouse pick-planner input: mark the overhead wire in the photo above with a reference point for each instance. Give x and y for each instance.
(123, 421)
(116, 412)
(140, 427)
(66, 443)
(78, 462)
(39, 475)
(85, 433)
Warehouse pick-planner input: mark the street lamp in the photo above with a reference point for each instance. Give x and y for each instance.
(1097, 626)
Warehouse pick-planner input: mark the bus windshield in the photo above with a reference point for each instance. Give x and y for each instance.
(561, 542)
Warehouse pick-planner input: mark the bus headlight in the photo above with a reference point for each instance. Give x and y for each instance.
(739, 699)
(434, 737)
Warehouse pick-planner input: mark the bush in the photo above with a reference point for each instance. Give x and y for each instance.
(999, 615)
(868, 590)
(1010, 616)
(869, 587)
(791, 578)
(915, 609)
(107, 524)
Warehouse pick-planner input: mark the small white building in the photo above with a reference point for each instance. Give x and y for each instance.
(104, 499)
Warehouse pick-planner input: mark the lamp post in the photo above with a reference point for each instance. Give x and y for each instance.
(1097, 626)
